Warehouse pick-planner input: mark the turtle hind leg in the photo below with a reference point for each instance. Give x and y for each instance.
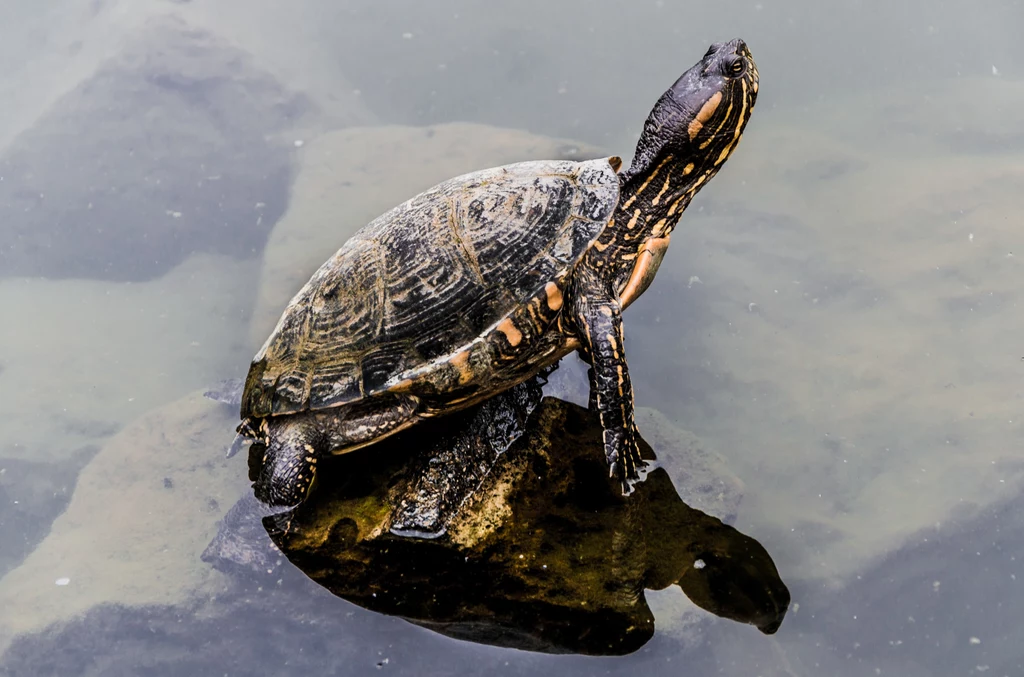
(362, 423)
(285, 474)
(294, 443)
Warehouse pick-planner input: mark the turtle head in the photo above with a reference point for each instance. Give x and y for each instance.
(696, 124)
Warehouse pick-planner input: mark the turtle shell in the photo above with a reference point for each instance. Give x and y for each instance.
(407, 294)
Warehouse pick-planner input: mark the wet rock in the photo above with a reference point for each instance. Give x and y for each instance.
(701, 476)
(541, 553)
(459, 461)
(168, 149)
(228, 391)
(453, 459)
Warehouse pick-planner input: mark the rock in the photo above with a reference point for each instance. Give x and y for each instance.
(449, 472)
(241, 547)
(349, 177)
(454, 459)
(170, 148)
(287, 629)
(543, 547)
(52, 49)
(700, 475)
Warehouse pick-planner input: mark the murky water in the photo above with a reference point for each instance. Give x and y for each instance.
(837, 324)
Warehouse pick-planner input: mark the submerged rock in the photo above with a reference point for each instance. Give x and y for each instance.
(87, 357)
(142, 511)
(167, 150)
(32, 494)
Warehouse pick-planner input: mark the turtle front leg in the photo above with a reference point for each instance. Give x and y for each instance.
(598, 318)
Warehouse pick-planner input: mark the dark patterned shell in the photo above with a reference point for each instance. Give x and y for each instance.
(427, 278)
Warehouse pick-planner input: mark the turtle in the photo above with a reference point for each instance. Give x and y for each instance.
(483, 281)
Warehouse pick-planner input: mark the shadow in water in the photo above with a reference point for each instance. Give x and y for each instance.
(530, 546)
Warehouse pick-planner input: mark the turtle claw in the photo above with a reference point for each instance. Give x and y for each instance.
(623, 455)
(640, 473)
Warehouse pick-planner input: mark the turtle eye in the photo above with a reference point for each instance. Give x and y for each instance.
(737, 66)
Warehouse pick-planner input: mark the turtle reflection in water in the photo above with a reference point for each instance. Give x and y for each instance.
(483, 281)
(537, 552)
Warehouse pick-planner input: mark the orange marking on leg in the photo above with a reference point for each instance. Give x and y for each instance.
(643, 263)
(614, 344)
(511, 332)
(554, 295)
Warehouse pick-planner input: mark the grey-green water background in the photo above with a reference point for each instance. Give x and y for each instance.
(840, 314)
